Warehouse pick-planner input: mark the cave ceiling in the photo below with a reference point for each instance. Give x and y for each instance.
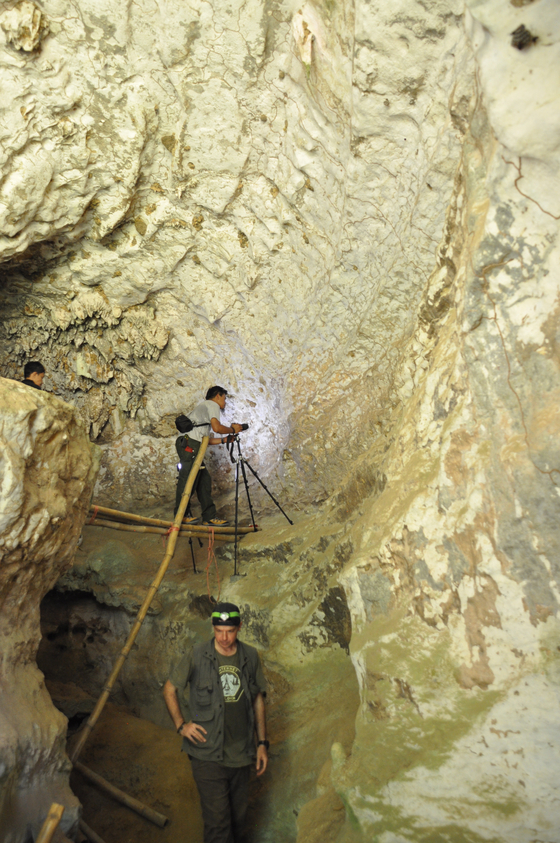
(250, 194)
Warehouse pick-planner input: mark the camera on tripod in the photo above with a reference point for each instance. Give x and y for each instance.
(232, 437)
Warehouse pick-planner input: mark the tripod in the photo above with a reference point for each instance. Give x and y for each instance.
(240, 460)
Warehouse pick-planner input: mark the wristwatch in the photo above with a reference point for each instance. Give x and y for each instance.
(264, 743)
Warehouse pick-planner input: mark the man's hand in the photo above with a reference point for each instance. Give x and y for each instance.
(260, 728)
(262, 759)
(237, 428)
(193, 732)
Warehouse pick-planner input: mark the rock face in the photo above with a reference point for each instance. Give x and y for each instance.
(347, 213)
(47, 470)
(453, 583)
(237, 194)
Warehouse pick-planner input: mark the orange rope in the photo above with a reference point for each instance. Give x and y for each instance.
(211, 556)
(94, 516)
(172, 529)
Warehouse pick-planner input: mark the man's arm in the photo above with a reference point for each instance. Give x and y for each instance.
(260, 726)
(226, 440)
(192, 731)
(218, 427)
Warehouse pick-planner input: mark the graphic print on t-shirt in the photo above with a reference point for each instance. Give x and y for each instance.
(230, 676)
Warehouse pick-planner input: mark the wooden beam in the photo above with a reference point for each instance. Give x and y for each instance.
(51, 823)
(160, 522)
(91, 835)
(160, 531)
(134, 804)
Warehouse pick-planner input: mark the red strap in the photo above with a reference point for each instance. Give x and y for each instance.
(94, 516)
(172, 529)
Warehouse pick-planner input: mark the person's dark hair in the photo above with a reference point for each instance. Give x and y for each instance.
(215, 390)
(34, 366)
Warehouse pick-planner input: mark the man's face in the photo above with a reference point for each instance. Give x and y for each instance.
(225, 638)
(221, 401)
(37, 377)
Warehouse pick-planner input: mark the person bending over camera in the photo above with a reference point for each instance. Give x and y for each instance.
(206, 420)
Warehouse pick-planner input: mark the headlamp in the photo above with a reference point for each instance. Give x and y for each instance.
(225, 616)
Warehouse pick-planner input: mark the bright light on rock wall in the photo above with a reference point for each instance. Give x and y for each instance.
(347, 215)
(247, 194)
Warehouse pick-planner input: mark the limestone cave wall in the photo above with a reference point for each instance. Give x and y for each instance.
(47, 470)
(248, 193)
(347, 213)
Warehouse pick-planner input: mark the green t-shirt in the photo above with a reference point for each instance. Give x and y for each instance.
(235, 713)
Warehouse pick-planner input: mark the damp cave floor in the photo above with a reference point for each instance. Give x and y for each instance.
(145, 761)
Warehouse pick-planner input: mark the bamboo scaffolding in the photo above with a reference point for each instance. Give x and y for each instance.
(160, 522)
(134, 804)
(99, 706)
(91, 835)
(161, 531)
(51, 823)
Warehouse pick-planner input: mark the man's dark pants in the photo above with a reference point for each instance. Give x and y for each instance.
(224, 793)
(202, 484)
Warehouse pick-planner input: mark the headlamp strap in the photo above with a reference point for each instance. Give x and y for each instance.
(224, 616)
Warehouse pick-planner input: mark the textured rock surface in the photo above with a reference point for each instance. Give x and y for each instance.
(453, 586)
(47, 471)
(348, 214)
(247, 193)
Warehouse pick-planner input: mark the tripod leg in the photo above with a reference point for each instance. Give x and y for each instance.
(192, 554)
(236, 514)
(248, 495)
(248, 464)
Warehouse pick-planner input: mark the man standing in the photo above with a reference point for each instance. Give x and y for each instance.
(206, 418)
(225, 711)
(33, 374)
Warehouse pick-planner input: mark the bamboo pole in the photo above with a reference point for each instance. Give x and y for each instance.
(160, 531)
(184, 530)
(134, 804)
(160, 522)
(91, 835)
(131, 516)
(99, 706)
(51, 823)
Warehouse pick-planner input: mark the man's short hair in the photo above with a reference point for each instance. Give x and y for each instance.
(226, 614)
(32, 367)
(215, 390)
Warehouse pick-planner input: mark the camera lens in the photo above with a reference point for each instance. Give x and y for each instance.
(244, 427)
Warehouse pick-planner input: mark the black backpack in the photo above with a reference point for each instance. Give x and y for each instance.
(185, 425)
